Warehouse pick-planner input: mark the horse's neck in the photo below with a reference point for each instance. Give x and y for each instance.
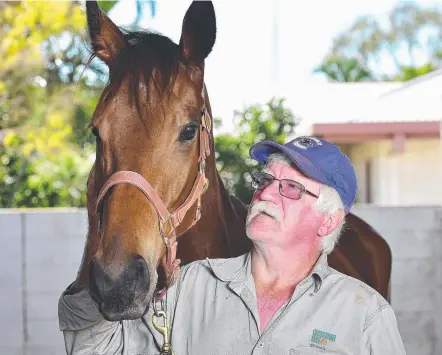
(234, 218)
(220, 233)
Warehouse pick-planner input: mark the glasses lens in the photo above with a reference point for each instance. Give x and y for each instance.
(291, 189)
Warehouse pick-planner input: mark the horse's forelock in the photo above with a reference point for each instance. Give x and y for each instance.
(150, 60)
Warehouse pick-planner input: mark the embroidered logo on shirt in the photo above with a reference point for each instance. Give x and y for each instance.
(320, 339)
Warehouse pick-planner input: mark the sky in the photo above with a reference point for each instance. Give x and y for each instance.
(262, 47)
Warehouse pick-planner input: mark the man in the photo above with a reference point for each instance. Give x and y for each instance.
(281, 298)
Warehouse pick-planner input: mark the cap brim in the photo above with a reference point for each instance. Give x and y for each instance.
(262, 150)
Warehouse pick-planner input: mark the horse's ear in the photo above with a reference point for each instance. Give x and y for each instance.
(199, 31)
(106, 38)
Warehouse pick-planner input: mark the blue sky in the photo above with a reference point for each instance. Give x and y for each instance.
(262, 45)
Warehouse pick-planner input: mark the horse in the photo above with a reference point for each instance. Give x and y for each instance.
(155, 153)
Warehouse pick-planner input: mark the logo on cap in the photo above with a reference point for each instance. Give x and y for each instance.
(306, 142)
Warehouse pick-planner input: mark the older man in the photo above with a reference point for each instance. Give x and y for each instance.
(281, 298)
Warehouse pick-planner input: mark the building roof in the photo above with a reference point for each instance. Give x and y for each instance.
(313, 102)
(323, 103)
(417, 100)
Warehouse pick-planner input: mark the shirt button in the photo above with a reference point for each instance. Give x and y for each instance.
(260, 344)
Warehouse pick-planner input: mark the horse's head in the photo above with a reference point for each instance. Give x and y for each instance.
(149, 124)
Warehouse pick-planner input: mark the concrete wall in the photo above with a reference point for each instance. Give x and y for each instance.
(408, 178)
(41, 250)
(39, 256)
(415, 238)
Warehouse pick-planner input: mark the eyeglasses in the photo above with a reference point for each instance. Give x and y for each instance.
(287, 188)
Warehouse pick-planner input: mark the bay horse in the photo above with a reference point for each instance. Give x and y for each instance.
(152, 123)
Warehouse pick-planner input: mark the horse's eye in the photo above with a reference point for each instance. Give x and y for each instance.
(95, 132)
(188, 132)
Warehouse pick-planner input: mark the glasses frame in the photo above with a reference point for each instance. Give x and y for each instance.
(255, 176)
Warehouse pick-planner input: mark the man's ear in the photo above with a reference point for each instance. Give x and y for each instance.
(331, 222)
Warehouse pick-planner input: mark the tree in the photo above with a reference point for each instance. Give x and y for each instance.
(342, 69)
(47, 96)
(29, 32)
(41, 59)
(39, 168)
(44, 48)
(408, 73)
(399, 40)
(255, 123)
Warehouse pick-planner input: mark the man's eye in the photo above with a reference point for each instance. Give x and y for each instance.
(188, 132)
(292, 186)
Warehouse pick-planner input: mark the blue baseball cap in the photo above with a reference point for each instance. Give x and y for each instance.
(319, 160)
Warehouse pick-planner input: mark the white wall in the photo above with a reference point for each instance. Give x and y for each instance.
(41, 250)
(411, 178)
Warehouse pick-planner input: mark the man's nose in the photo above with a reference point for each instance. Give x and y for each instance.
(270, 192)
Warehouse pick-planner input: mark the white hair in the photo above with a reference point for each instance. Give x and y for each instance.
(329, 202)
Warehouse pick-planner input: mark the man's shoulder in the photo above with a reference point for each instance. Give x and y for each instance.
(358, 290)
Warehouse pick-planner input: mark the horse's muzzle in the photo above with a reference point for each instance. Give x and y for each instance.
(123, 296)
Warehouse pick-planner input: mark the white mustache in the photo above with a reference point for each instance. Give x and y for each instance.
(264, 207)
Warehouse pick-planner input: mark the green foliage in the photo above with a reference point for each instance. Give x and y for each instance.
(43, 105)
(402, 36)
(48, 93)
(344, 70)
(36, 38)
(408, 73)
(106, 5)
(51, 178)
(255, 123)
(36, 181)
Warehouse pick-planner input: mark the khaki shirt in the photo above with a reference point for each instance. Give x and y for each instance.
(213, 310)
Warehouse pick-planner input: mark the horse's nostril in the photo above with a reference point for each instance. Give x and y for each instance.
(140, 274)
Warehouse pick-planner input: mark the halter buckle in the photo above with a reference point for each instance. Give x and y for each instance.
(203, 117)
(205, 185)
(172, 230)
(201, 166)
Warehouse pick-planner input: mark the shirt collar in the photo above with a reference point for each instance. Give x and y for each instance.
(319, 272)
(321, 268)
(231, 269)
(238, 270)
